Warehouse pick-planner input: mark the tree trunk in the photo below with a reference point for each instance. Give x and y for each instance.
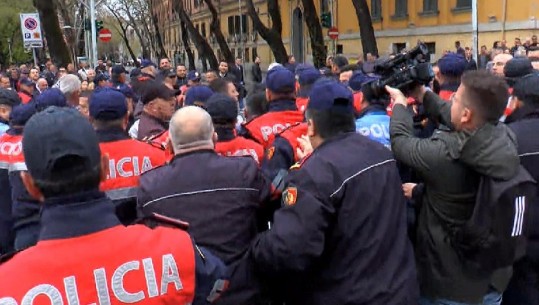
(368, 40)
(49, 21)
(271, 36)
(315, 32)
(159, 40)
(215, 27)
(185, 40)
(203, 47)
(123, 33)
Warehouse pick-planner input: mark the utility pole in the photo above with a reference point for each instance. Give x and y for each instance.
(475, 30)
(94, 33)
(242, 46)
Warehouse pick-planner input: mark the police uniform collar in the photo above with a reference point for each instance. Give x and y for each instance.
(453, 87)
(153, 118)
(225, 134)
(15, 131)
(4, 121)
(76, 215)
(198, 151)
(111, 135)
(375, 109)
(336, 138)
(282, 105)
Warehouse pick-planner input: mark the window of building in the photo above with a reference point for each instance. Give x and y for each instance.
(246, 57)
(340, 49)
(398, 47)
(237, 25)
(464, 4)
(376, 9)
(431, 46)
(401, 8)
(245, 24)
(430, 6)
(197, 27)
(230, 25)
(324, 5)
(219, 55)
(254, 53)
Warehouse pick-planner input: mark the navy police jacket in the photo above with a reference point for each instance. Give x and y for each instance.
(340, 237)
(220, 197)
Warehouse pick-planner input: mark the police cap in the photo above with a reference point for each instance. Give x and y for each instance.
(57, 133)
(359, 78)
(308, 76)
(452, 64)
(329, 94)
(517, 68)
(21, 114)
(107, 105)
(193, 76)
(222, 106)
(197, 95)
(50, 97)
(9, 97)
(280, 80)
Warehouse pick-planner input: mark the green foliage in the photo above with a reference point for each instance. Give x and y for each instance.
(10, 29)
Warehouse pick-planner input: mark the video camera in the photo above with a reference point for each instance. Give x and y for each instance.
(404, 71)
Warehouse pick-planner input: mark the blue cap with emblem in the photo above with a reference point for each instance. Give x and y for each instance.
(197, 95)
(193, 76)
(222, 107)
(308, 76)
(107, 104)
(145, 63)
(57, 137)
(21, 114)
(50, 97)
(329, 94)
(452, 64)
(280, 80)
(359, 78)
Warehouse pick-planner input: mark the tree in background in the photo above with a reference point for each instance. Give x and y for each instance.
(215, 28)
(188, 51)
(10, 31)
(273, 35)
(368, 40)
(122, 27)
(50, 25)
(315, 33)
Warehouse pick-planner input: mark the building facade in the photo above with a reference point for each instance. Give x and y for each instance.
(398, 24)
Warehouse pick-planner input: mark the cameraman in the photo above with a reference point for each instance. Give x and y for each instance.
(451, 162)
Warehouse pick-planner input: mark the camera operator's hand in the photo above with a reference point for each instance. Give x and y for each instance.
(397, 96)
(418, 93)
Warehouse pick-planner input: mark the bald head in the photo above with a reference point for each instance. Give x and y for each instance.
(191, 128)
(499, 63)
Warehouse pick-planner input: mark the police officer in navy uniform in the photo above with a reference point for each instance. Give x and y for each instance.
(219, 196)
(90, 256)
(9, 146)
(452, 66)
(26, 210)
(340, 237)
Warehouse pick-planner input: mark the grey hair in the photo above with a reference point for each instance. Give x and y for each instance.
(191, 127)
(68, 84)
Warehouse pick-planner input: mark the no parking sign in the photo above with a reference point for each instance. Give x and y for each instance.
(31, 30)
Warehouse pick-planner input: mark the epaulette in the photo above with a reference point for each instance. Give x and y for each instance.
(300, 163)
(288, 128)
(157, 220)
(6, 257)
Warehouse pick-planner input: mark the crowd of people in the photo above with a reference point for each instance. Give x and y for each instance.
(164, 185)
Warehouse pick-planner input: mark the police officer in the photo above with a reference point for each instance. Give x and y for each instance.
(283, 112)
(452, 66)
(8, 100)
(342, 227)
(128, 158)
(223, 111)
(90, 256)
(372, 121)
(197, 96)
(26, 91)
(26, 209)
(10, 147)
(306, 79)
(219, 196)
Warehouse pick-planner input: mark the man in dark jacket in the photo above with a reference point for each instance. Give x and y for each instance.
(524, 286)
(451, 163)
(219, 196)
(340, 237)
(159, 103)
(256, 71)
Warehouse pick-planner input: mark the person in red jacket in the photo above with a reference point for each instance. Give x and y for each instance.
(90, 257)
(223, 111)
(451, 66)
(283, 112)
(306, 79)
(26, 91)
(128, 158)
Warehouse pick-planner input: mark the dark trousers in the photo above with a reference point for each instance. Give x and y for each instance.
(524, 286)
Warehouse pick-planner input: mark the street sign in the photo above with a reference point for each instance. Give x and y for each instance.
(105, 35)
(333, 33)
(31, 31)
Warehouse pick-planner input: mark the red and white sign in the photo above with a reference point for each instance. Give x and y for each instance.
(333, 33)
(105, 35)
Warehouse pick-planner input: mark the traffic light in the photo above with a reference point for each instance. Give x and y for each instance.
(87, 24)
(99, 25)
(325, 19)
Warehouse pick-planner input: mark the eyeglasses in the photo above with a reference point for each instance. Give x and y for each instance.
(499, 63)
